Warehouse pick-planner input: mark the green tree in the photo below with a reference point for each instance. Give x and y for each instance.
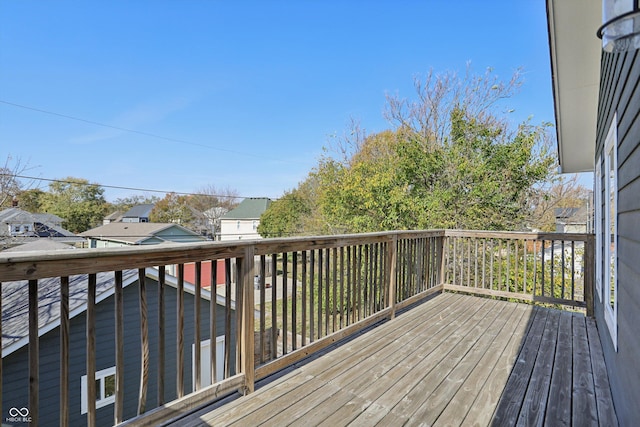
(81, 204)
(31, 200)
(284, 217)
(451, 160)
(172, 208)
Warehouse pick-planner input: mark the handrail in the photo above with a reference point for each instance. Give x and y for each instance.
(280, 299)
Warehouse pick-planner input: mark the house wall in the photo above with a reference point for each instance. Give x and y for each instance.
(620, 94)
(16, 373)
(237, 229)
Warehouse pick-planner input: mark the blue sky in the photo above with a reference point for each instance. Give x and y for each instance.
(235, 94)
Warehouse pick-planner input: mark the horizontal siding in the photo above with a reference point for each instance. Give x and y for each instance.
(620, 93)
(15, 366)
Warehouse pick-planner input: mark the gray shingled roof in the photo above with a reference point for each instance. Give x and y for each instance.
(15, 302)
(131, 232)
(251, 208)
(139, 211)
(40, 245)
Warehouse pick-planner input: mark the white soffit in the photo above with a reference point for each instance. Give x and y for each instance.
(575, 73)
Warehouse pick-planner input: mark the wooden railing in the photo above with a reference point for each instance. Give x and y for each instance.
(273, 302)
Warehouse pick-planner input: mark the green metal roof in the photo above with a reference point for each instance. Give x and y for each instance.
(250, 208)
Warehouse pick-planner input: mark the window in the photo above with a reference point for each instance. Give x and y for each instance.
(598, 226)
(105, 389)
(205, 361)
(610, 232)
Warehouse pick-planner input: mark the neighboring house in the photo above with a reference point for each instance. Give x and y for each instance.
(138, 213)
(571, 220)
(242, 222)
(596, 90)
(114, 217)
(117, 234)
(40, 245)
(15, 337)
(19, 226)
(213, 216)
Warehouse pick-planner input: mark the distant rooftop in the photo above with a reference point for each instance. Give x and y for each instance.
(250, 208)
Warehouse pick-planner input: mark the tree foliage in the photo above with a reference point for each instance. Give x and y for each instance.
(451, 160)
(81, 204)
(172, 208)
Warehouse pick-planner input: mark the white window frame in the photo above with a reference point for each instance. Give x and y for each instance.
(101, 400)
(598, 226)
(610, 248)
(205, 366)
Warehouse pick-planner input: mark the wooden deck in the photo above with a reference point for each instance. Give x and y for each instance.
(452, 360)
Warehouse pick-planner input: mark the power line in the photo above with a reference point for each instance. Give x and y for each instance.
(152, 135)
(117, 187)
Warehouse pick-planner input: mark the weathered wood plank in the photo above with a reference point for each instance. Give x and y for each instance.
(474, 385)
(584, 408)
(371, 378)
(535, 400)
(559, 406)
(513, 394)
(606, 411)
(445, 362)
(467, 361)
(406, 395)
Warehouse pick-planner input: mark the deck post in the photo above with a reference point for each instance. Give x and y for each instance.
(247, 336)
(589, 264)
(392, 258)
(442, 242)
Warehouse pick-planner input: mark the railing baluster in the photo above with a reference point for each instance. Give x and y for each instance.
(563, 268)
(342, 306)
(274, 307)
(334, 305)
(263, 306)
(197, 296)
(327, 308)
(119, 321)
(227, 316)
(573, 270)
(312, 291)
(91, 350)
(144, 343)
(294, 300)
(320, 293)
(552, 292)
(64, 352)
(304, 298)
(213, 322)
(524, 266)
(542, 266)
(285, 280)
(161, 332)
(350, 294)
(180, 332)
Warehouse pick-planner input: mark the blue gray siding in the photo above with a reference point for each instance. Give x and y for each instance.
(620, 93)
(15, 366)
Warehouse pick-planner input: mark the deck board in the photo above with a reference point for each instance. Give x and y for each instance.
(452, 360)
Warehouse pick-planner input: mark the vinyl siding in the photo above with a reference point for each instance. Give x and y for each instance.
(15, 366)
(620, 94)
